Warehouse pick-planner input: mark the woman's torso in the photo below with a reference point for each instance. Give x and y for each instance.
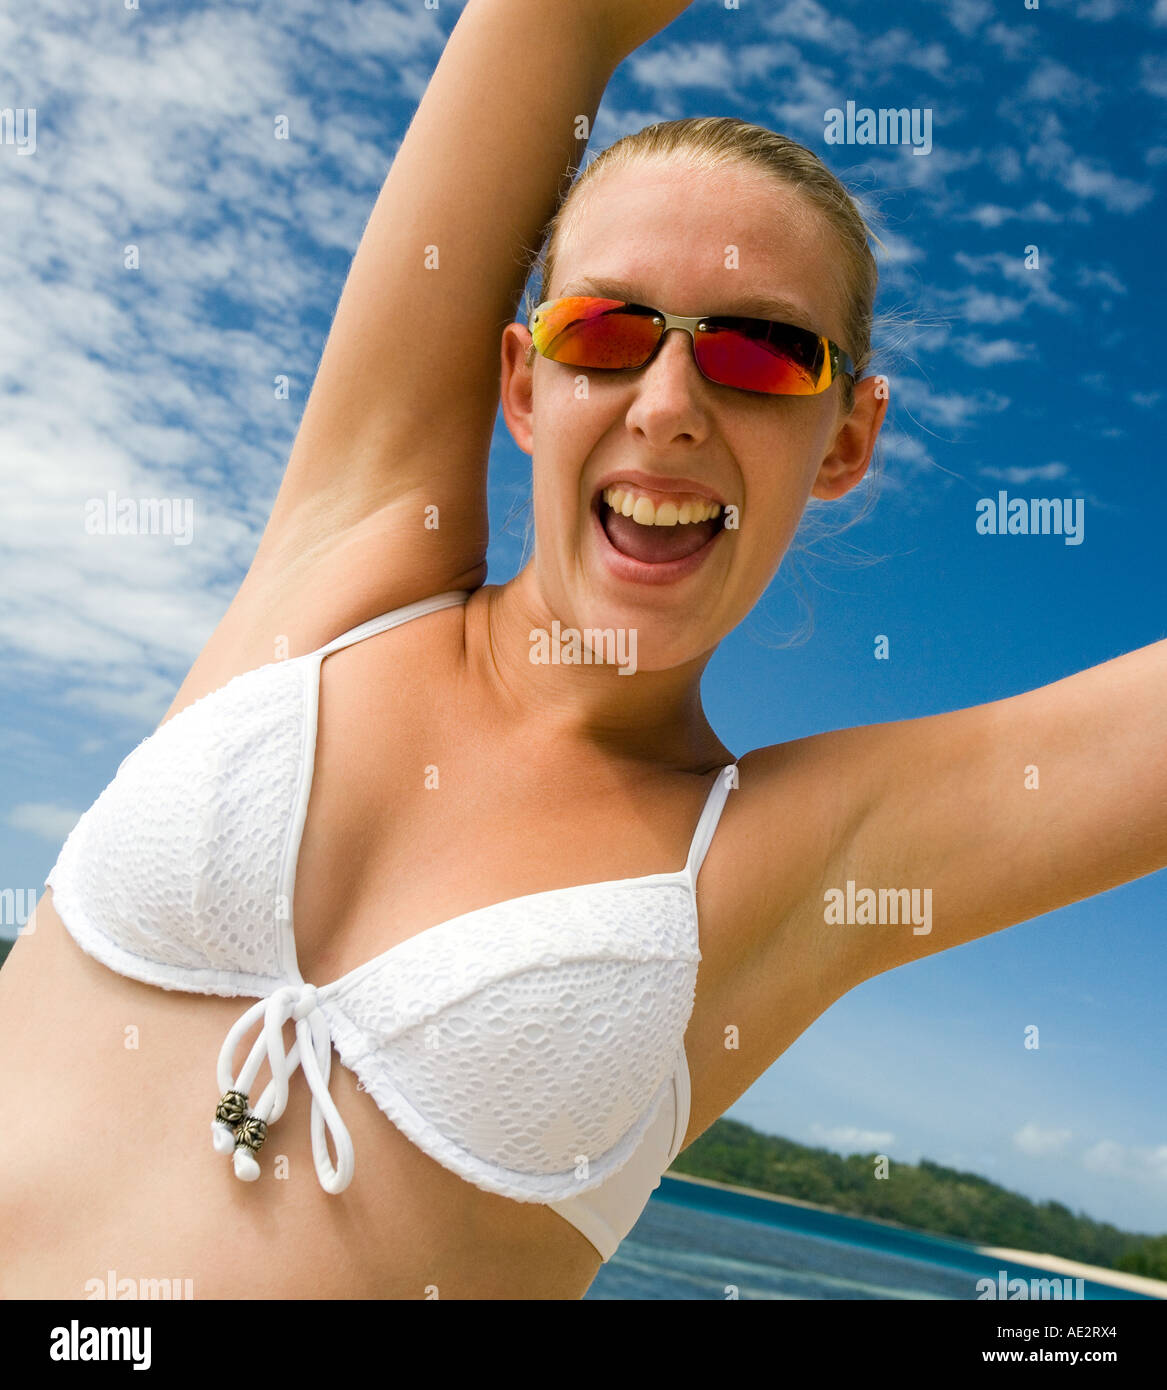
(107, 1084)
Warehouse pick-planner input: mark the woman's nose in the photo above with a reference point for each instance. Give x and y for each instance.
(668, 400)
(677, 347)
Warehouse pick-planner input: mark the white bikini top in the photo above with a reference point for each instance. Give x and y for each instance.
(535, 1047)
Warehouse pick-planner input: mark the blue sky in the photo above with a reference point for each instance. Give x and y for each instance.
(1049, 129)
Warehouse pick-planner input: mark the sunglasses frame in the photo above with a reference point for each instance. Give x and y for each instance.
(841, 364)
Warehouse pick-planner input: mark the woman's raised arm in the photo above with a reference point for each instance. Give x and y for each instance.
(402, 409)
(964, 823)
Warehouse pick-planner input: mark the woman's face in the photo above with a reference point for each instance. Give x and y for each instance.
(690, 242)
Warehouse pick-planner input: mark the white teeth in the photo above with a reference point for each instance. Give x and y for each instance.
(646, 513)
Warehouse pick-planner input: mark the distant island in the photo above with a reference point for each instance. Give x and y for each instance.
(926, 1197)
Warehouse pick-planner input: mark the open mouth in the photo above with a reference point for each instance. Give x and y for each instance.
(656, 532)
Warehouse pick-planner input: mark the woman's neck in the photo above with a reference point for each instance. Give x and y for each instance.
(541, 671)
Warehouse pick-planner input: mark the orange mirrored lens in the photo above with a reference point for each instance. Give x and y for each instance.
(586, 332)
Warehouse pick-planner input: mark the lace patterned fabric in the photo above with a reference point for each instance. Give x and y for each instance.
(534, 1047)
(177, 863)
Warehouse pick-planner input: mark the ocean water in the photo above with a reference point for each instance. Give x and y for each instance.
(697, 1242)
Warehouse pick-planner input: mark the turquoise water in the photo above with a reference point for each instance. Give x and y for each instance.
(702, 1242)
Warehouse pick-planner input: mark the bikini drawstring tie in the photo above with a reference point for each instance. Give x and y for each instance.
(239, 1130)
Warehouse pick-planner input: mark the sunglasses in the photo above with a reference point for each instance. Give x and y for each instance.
(777, 359)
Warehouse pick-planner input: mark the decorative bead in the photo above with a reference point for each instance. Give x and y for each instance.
(231, 1108)
(251, 1133)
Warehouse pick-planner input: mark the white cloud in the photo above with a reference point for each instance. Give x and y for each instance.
(856, 1140)
(806, 95)
(1011, 267)
(613, 121)
(806, 21)
(946, 410)
(978, 306)
(1099, 11)
(1054, 157)
(1139, 1164)
(1014, 41)
(981, 353)
(1091, 278)
(899, 48)
(703, 65)
(1159, 13)
(1045, 472)
(991, 215)
(1153, 74)
(1053, 81)
(1117, 194)
(896, 250)
(713, 66)
(373, 30)
(162, 137)
(1107, 1156)
(1031, 1139)
(43, 819)
(1034, 284)
(1006, 163)
(968, 15)
(906, 449)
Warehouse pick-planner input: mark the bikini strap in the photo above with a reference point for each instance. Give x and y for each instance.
(710, 815)
(394, 619)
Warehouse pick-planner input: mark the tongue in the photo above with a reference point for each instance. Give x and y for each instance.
(654, 545)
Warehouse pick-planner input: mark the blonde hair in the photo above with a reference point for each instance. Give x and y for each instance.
(710, 142)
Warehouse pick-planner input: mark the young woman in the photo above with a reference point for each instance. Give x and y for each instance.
(480, 840)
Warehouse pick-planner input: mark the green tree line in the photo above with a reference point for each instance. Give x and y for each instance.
(925, 1196)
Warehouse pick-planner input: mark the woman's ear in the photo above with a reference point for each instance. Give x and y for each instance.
(854, 442)
(515, 386)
